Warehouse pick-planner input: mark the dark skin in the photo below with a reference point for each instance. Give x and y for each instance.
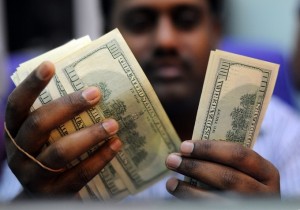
(224, 166)
(31, 131)
(173, 50)
(172, 41)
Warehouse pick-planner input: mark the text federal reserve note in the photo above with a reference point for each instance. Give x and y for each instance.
(234, 98)
(128, 97)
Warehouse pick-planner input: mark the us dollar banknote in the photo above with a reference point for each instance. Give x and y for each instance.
(147, 134)
(234, 99)
(103, 187)
(128, 97)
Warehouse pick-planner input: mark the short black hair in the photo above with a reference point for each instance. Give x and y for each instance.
(216, 7)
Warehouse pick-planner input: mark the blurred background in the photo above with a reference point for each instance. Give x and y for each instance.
(265, 29)
(262, 29)
(34, 26)
(269, 22)
(29, 28)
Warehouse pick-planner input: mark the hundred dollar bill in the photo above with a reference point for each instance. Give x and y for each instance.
(54, 89)
(111, 183)
(128, 97)
(234, 99)
(106, 185)
(54, 55)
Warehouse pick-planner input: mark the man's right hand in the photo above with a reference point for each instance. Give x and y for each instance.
(31, 131)
(224, 166)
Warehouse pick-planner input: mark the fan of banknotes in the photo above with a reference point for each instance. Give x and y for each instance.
(233, 102)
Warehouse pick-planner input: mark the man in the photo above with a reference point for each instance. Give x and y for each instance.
(171, 40)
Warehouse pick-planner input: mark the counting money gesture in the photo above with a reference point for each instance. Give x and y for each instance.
(127, 96)
(43, 171)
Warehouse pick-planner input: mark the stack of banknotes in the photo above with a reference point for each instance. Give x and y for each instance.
(233, 102)
(127, 96)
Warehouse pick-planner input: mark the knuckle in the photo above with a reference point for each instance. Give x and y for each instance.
(58, 154)
(35, 121)
(73, 100)
(202, 147)
(228, 178)
(240, 153)
(98, 132)
(107, 154)
(189, 165)
(206, 145)
(106, 157)
(12, 105)
(255, 187)
(266, 170)
(85, 175)
(182, 190)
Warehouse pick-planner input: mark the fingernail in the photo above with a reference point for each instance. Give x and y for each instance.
(187, 147)
(44, 71)
(115, 144)
(173, 161)
(111, 126)
(172, 184)
(91, 93)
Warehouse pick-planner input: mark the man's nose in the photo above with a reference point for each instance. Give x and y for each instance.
(166, 35)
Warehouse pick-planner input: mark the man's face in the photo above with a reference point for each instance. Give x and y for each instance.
(171, 40)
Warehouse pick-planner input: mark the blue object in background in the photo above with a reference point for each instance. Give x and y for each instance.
(267, 53)
(13, 62)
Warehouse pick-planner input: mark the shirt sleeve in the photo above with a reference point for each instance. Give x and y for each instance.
(279, 142)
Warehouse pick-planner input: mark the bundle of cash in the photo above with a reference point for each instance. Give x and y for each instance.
(127, 96)
(234, 99)
(233, 102)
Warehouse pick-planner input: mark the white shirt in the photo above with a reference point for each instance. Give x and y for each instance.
(278, 142)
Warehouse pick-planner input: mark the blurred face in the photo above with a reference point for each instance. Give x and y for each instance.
(171, 40)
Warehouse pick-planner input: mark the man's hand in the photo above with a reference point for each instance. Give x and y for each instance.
(224, 166)
(31, 131)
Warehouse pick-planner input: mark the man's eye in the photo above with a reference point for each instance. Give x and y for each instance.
(139, 23)
(187, 19)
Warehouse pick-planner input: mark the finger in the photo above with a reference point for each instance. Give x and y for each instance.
(72, 180)
(233, 155)
(70, 147)
(37, 127)
(214, 174)
(22, 98)
(184, 190)
(77, 177)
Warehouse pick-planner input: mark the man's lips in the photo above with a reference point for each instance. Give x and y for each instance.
(167, 73)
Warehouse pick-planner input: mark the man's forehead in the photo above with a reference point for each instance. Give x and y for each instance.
(158, 4)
